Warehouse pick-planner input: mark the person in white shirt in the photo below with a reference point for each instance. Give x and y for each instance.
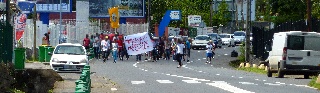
(114, 50)
(209, 48)
(105, 47)
(179, 52)
(96, 47)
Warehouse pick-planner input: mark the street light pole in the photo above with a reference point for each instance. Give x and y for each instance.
(60, 23)
(309, 22)
(149, 6)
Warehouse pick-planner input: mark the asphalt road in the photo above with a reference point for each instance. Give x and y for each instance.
(195, 77)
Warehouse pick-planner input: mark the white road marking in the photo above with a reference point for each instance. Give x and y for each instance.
(240, 77)
(256, 79)
(188, 62)
(280, 83)
(164, 81)
(200, 71)
(199, 59)
(142, 69)
(114, 89)
(155, 72)
(198, 51)
(225, 54)
(219, 55)
(204, 58)
(168, 74)
(272, 84)
(174, 75)
(138, 82)
(247, 83)
(232, 76)
(191, 61)
(145, 70)
(196, 79)
(264, 80)
(191, 81)
(179, 76)
(225, 86)
(217, 74)
(224, 48)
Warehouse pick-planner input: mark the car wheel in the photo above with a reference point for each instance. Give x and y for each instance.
(280, 73)
(306, 76)
(269, 73)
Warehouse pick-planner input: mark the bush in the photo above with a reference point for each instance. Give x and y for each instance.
(6, 77)
(235, 63)
(242, 57)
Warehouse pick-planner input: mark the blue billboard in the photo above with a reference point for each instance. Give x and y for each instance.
(49, 6)
(127, 8)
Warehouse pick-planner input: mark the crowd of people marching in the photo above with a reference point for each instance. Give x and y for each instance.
(179, 49)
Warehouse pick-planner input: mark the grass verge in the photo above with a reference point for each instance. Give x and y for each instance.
(313, 83)
(255, 70)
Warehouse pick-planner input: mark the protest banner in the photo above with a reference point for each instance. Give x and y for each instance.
(20, 25)
(138, 43)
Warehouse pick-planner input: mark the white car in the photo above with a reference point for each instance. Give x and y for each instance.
(69, 57)
(200, 41)
(227, 39)
(294, 53)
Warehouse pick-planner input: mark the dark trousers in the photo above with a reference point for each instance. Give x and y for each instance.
(105, 54)
(138, 57)
(179, 57)
(168, 54)
(96, 52)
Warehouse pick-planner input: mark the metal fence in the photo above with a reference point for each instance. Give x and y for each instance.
(262, 37)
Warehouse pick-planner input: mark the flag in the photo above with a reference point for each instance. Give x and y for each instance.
(114, 17)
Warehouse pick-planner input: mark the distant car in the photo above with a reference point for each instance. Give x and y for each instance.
(200, 41)
(216, 39)
(227, 39)
(239, 37)
(68, 57)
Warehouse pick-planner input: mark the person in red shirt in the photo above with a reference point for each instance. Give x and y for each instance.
(86, 42)
(120, 46)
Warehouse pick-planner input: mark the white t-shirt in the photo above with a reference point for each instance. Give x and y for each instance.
(209, 48)
(180, 48)
(105, 45)
(114, 46)
(96, 42)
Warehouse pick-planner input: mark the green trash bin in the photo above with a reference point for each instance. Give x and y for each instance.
(20, 58)
(41, 53)
(47, 49)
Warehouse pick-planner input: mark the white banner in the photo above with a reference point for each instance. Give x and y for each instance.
(138, 43)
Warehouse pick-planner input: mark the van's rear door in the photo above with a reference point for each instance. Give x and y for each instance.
(303, 50)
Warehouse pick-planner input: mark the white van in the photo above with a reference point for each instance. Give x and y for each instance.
(294, 53)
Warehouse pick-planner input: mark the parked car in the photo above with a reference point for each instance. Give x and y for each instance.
(239, 37)
(68, 57)
(294, 53)
(216, 39)
(227, 39)
(200, 41)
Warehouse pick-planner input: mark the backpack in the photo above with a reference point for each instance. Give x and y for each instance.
(234, 53)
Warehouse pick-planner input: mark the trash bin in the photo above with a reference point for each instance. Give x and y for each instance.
(47, 49)
(41, 53)
(19, 60)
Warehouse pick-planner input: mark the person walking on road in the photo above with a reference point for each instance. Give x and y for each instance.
(86, 42)
(209, 52)
(114, 50)
(179, 52)
(188, 47)
(105, 47)
(167, 48)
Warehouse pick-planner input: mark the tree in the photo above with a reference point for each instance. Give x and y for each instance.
(223, 15)
(316, 9)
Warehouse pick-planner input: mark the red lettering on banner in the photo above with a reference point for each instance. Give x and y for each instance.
(136, 44)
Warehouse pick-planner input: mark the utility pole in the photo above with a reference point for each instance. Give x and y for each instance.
(242, 15)
(248, 30)
(211, 6)
(309, 22)
(149, 6)
(34, 30)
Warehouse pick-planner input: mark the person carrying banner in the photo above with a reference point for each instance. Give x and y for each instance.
(114, 50)
(105, 46)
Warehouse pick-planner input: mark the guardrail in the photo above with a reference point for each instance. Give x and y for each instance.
(83, 85)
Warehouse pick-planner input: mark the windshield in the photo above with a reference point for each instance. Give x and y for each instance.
(225, 36)
(213, 35)
(202, 38)
(239, 34)
(74, 50)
